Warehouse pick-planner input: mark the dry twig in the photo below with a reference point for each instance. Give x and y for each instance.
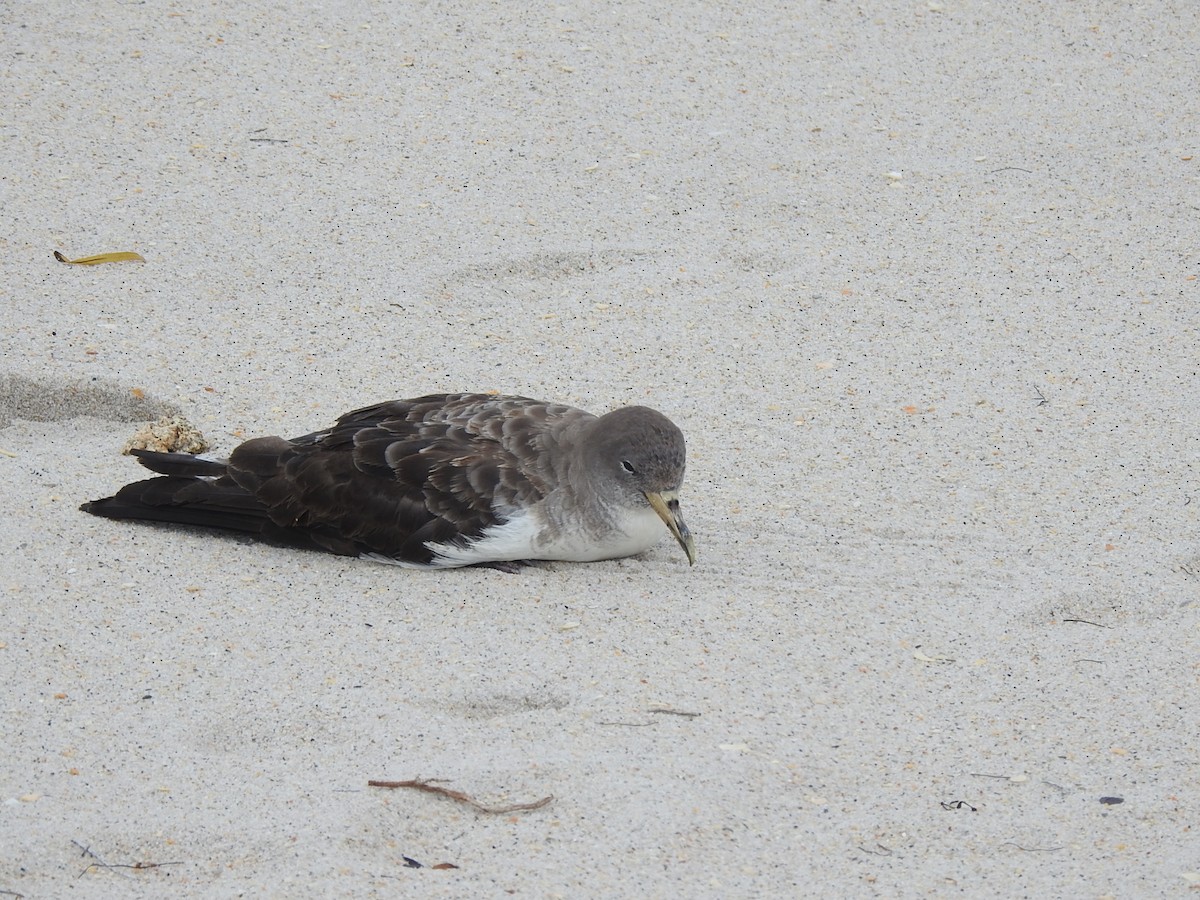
(429, 787)
(101, 864)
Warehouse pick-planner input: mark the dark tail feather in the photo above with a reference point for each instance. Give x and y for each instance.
(184, 501)
(213, 503)
(182, 464)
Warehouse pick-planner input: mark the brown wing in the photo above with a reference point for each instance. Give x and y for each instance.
(385, 479)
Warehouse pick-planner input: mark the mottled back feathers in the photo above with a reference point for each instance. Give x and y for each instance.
(390, 480)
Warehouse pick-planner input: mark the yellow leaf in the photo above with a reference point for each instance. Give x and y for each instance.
(119, 256)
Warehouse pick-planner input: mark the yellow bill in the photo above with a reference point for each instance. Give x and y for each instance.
(667, 507)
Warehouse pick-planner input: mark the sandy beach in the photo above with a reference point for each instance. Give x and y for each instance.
(918, 281)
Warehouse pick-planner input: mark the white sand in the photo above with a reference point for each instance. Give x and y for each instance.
(918, 284)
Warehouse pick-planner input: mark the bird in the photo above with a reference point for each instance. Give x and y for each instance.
(440, 481)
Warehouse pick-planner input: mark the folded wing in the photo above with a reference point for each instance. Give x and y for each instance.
(385, 480)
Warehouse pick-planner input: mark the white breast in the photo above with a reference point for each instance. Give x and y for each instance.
(522, 536)
(514, 538)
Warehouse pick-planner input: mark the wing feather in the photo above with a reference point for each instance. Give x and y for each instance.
(386, 479)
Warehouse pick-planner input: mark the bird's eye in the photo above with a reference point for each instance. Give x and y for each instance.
(627, 466)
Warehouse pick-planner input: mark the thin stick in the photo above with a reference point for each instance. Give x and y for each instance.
(428, 786)
(101, 864)
(1030, 849)
(87, 851)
